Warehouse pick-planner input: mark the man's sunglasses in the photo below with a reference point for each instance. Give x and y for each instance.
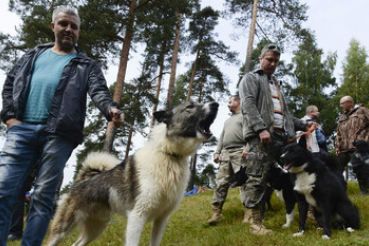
(273, 47)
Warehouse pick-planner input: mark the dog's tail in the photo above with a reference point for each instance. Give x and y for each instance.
(95, 163)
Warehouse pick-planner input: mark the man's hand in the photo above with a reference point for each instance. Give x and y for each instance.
(265, 137)
(337, 152)
(244, 154)
(116, 116)
(310, 125)
(11, 122)
(216, 158)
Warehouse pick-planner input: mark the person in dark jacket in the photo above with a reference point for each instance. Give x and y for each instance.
(44, 107)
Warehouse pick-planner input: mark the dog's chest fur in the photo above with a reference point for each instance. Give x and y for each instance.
(304, 184)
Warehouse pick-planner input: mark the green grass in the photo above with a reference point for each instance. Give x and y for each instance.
(188, 226)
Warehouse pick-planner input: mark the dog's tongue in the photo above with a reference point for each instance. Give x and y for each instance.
(287, 166)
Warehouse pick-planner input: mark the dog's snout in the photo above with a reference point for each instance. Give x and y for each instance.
(214, 105)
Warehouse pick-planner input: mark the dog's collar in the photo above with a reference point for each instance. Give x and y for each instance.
(173, 154)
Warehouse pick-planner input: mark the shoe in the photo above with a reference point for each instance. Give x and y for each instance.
(256, 223)
(217, 215)
(13, 237)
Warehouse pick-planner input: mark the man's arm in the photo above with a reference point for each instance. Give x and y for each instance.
(249, 90)
(100, 95)
(217, 158)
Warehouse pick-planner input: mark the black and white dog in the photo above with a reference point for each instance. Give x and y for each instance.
(278, 180)
(147, 186)
(360, 164)
(320, 187)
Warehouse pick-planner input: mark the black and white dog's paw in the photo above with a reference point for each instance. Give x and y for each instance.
(299, 234)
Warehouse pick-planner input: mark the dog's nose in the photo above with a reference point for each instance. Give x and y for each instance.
(213, 105)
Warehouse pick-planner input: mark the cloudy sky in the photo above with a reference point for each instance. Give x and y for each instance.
(335, 23)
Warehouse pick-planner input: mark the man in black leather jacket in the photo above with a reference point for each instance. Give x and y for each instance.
(44, 107)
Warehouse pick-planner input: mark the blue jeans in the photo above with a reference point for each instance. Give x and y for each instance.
(26, 146)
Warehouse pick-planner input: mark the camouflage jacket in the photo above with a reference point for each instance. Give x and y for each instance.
(352, 127)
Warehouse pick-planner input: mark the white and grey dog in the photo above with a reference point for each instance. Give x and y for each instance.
(147, 186)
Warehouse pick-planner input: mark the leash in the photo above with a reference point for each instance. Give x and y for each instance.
(305, 133)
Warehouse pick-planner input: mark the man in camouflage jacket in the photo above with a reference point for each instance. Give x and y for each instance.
(353, 125)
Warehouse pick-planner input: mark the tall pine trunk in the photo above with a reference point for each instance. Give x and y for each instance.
(110, 131)
(192, 76)
(251, 37)
(158, 86)
(174, 62)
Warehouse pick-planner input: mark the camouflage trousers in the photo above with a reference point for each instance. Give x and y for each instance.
(258, 162)
(231, 161)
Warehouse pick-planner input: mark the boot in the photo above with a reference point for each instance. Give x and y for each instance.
(217, 215)
(256, 223)
(247, 216)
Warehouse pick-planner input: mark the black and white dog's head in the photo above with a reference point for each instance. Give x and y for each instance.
(361, 155)
(185, 127)
(296, 156)
(189, 120)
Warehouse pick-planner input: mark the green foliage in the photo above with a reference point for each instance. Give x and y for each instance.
(355, 74)
(188, 226)
(207, 177)
(313, 77)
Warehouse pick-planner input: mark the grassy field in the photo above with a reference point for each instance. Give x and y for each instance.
(188, 226)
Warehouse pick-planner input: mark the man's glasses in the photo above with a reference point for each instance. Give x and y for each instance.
(273, 47)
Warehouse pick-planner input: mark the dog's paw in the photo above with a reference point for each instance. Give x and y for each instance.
(298, 234)
(349, 229)
(325, 237)
(286, 225)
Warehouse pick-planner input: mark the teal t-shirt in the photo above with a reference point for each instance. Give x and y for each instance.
(46, 74)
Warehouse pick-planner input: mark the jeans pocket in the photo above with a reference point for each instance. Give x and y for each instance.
(15, 126)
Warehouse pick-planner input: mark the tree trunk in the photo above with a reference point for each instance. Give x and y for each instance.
(251, 37)
(110, 131)
(192, 76)
(193, 164)
(174, 63)
(129, 141)
(158, 86)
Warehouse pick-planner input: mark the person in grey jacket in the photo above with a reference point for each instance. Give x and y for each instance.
(267, 125)
(44, 107)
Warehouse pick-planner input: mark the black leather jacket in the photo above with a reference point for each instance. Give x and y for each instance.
(68, 109)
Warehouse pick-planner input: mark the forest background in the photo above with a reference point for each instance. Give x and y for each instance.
(157, 54)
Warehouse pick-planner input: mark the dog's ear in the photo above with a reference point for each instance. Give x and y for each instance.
(162, 116)
(302, 142)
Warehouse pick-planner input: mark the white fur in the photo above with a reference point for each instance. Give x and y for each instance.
(299, 234)
(101, 161)
(162, 172)
(289, 219)
(305, 184)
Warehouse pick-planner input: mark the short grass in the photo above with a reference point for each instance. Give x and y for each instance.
(188, 226)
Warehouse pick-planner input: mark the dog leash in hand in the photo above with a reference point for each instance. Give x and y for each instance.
(305, 133)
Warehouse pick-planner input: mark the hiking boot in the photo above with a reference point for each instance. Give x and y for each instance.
(247, 216)
(217, 215)
(256, 224)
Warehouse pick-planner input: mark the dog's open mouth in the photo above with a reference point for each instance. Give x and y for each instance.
(209, 117)
(204, 127)
(287, 166)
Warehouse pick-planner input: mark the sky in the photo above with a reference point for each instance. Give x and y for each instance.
(335, 23)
